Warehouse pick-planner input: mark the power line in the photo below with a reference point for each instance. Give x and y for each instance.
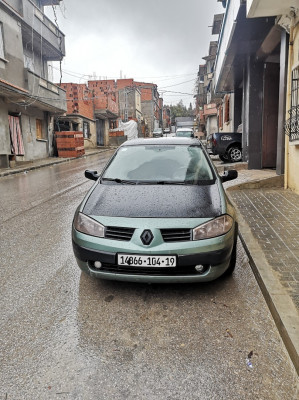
(79, 75)
(170, 91)
(177, 84)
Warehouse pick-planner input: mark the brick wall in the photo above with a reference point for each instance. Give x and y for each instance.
(122, 83)
(147, 90)
(104, 93)
(79, 99)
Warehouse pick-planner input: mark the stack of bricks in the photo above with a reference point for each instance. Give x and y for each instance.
(70, 144)
(116, 133)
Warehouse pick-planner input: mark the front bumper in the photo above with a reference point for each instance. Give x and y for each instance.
(215, 264)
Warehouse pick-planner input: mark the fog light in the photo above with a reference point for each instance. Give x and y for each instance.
(199, 268)
(97, 264)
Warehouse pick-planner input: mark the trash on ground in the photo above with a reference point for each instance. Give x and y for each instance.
(248, 360)
(229, 333)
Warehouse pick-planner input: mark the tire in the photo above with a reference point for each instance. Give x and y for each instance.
(235, 154)
(224, 158)
(233, 259)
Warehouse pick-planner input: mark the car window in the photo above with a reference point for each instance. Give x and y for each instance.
(152, 163)
(184, 133)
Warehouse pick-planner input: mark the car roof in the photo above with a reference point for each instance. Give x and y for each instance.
(171, 140)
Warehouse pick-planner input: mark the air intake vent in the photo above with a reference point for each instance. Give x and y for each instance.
(118, 233)
(176, 235)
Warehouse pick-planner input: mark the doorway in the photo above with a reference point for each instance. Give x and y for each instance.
(270, 115)
(100, 128)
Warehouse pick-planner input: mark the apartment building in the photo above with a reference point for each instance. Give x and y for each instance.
(29, 101)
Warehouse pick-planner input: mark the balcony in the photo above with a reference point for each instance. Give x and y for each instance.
(45, 95)
(239, 39)
(268, 8)
(35, 24)
(225, 39)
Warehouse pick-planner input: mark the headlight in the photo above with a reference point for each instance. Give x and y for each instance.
(217, 227)
(84, 224)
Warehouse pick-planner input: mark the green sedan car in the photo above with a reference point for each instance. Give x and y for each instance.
(157, 213)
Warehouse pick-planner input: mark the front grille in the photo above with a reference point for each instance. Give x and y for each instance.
(176, 235)
(119, 233)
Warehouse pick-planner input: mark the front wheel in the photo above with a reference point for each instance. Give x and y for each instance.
(235, 154)
(233, 258)
(224, 158)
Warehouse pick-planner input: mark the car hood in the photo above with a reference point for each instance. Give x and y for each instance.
(154, 201)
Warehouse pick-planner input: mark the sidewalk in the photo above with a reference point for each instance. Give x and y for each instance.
(45, 162)
(269, 230)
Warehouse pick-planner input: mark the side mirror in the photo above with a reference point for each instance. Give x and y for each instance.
(93, 175)
(229, 175)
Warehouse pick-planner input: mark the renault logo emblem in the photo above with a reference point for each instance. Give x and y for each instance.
(147, 237)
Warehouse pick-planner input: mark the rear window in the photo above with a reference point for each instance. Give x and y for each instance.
(184, 133)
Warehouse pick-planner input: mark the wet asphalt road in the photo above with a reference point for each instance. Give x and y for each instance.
(66, 336)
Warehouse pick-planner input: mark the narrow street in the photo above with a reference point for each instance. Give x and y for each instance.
(66, 336)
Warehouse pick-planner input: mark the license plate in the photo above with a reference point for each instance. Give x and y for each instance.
(133, 260)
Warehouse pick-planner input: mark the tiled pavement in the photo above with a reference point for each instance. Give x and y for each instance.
(269, 229)
(273, 217)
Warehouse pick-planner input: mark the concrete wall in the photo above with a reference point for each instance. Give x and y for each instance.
(34, 148)
(147, 108)
(4, 128)
(211, 124)
(252, 113)
(12, 71)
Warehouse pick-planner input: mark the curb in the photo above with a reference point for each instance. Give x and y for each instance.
(280, 304)
(48, 164)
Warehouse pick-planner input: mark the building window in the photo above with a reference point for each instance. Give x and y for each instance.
(86, 130)
(39, 129)
(292, 124)
(1, 42)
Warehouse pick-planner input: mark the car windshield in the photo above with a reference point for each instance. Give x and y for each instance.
(159, 164)
(184, 133)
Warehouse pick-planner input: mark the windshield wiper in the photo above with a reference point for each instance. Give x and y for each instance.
(117, 180)
(170, 183)
(160, 182)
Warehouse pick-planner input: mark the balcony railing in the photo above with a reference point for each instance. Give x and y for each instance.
(292, 124)
(35, 23)
(45, 94)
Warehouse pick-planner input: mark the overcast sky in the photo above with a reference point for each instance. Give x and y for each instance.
(159, 41)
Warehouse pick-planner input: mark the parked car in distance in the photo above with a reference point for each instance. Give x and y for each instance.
(166, 132)
(157, 213)
(158, 132)
(184, 132)
(228, 145)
